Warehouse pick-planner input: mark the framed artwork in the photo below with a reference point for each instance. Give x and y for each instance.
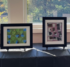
(16, 36)
(54, 31)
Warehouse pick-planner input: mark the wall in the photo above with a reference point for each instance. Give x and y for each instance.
(16, 11)
(37, 38)
(68, 37)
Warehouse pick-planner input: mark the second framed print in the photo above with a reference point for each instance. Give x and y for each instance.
(54, 31)
(16, 36)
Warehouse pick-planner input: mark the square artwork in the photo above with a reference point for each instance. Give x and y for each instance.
(54, 31)
(16, 36)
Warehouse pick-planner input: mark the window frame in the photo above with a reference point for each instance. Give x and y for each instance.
(25, 11)
(37, 27)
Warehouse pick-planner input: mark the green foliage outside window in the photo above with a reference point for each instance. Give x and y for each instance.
(3, 11)
(36, 9)
(46, 8)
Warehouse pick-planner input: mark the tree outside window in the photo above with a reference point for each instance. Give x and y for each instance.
(36, 9)
(3, 11)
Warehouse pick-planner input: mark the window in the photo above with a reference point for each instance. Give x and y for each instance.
(36, 9)
(3, 11)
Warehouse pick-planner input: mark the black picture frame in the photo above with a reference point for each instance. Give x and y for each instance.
(30, 45)
(65, 31)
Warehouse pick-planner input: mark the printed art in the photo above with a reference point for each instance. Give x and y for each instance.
(54, 31)
(16, 36)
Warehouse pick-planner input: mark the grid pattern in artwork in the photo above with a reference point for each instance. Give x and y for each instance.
(16, 36)
(54, 31)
